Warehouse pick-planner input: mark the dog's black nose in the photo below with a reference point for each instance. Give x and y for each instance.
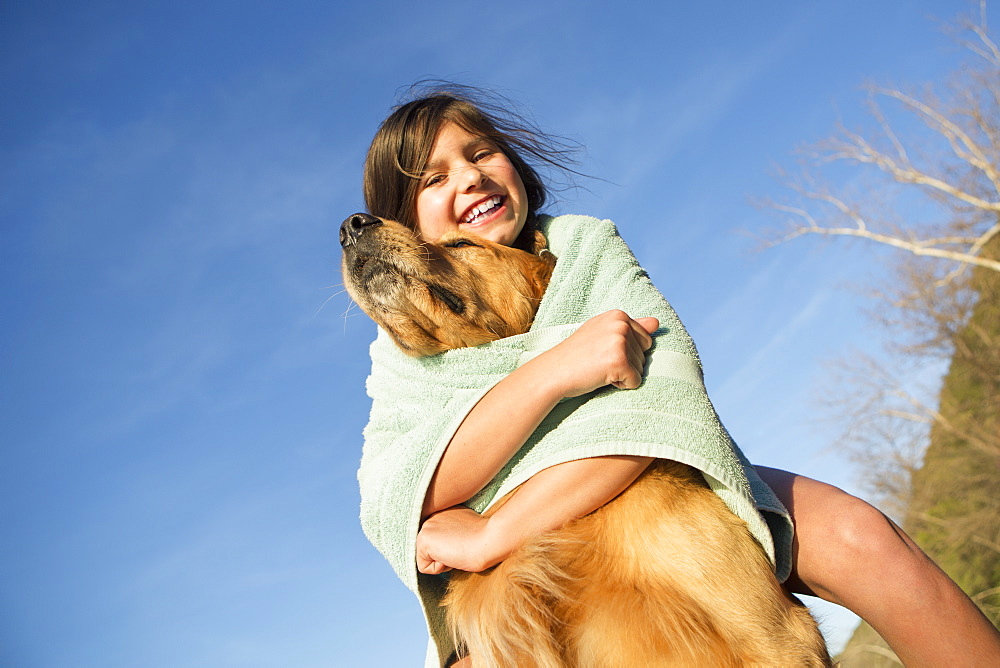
(355, 224)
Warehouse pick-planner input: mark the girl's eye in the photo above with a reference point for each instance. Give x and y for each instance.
(434, 179)
(482, 155)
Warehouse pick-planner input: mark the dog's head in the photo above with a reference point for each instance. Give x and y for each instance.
(460, 291)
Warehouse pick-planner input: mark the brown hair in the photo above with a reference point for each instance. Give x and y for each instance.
(403, 143)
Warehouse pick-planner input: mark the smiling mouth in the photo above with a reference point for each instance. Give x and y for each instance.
(481, 211)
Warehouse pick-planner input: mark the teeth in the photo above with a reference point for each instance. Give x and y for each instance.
(482, 208)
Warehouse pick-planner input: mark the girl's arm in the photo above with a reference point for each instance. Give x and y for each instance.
(608, 349)
(460, 538)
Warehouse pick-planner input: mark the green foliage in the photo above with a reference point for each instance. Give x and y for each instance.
(955, 508)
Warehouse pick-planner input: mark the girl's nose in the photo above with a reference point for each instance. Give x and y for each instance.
(473, 177)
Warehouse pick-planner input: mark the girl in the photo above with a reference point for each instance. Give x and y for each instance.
(444, 162)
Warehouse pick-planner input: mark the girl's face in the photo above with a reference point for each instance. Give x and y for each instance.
(470, 185)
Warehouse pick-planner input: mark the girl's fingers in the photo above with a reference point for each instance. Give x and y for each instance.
(646, 327)
(612, 347)
(637, 345)
(631, 376)
(431, 567)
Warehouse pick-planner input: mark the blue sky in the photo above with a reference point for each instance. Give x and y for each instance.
(182, 377)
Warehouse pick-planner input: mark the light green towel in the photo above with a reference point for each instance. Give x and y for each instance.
(417, 404)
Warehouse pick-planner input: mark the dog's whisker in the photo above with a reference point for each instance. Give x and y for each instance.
(327, 301)
(347, 311)
(346, 315)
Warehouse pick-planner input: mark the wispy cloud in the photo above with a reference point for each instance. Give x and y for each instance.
(658, 118)
(771, 357)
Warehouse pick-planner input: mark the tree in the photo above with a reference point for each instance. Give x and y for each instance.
(965, 183)
(934, 457)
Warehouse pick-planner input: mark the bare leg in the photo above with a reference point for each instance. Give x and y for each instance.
(849, 553)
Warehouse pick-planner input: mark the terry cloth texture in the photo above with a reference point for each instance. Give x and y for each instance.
(417, 404)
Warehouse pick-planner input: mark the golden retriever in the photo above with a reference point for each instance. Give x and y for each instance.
(662, 575)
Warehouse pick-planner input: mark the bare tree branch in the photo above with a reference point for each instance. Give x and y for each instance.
(964, 147)
(927, 247)
(967, 123)
(987, 48)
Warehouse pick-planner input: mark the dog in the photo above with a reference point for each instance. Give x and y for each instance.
(664, 574)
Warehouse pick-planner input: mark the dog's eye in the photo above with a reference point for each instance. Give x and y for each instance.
(449, 298)
(459, 243)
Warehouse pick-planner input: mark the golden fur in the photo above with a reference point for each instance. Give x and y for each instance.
(662, 575)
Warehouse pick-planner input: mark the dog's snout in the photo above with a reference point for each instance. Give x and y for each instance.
(355, 224)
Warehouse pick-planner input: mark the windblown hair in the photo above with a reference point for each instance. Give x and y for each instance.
(402, 145)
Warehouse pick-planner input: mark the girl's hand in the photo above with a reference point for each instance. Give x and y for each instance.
(457, 537)
(608, 349)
